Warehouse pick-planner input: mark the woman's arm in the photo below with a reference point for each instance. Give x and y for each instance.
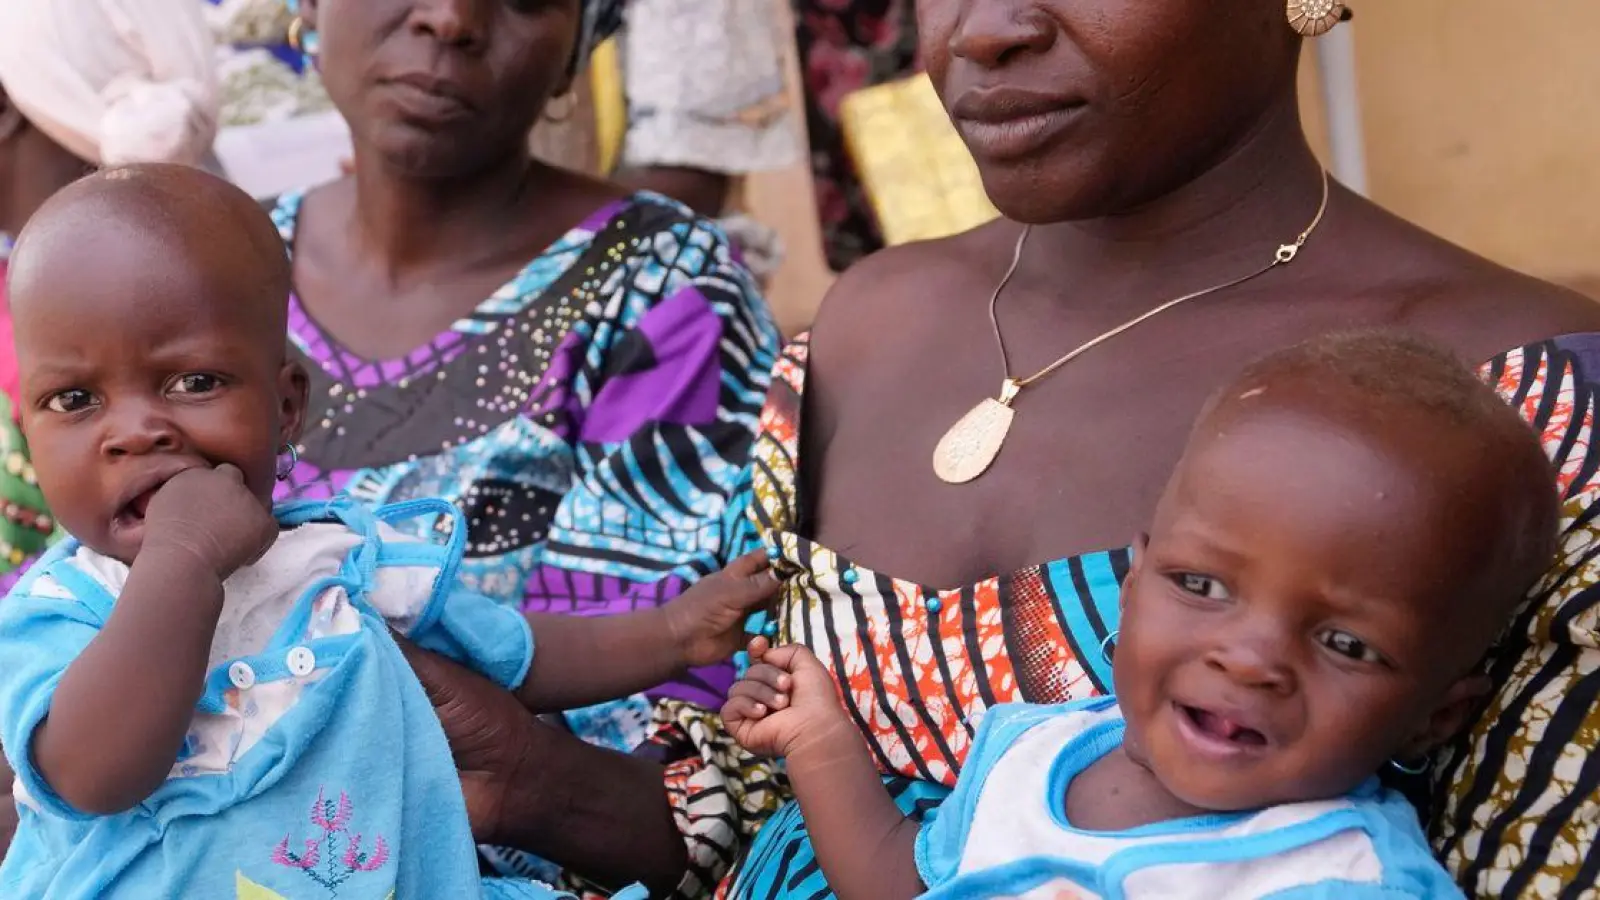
(540, 789)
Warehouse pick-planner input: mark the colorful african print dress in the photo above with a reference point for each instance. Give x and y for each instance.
(1519, 804)
(590, 419)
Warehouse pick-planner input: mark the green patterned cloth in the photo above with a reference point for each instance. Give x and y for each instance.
(26, 526)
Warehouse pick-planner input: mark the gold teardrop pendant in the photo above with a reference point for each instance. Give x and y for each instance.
(972, 443)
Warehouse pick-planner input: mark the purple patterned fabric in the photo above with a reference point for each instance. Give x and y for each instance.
(580, 418)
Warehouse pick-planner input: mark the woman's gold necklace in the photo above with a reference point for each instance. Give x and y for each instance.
(972, 443)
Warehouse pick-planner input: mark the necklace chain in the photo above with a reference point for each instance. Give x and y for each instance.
(1012, 386)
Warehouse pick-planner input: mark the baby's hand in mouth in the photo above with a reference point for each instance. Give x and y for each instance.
(211, 513)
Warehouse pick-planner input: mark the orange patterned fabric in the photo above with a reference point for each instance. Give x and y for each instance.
(915, 664)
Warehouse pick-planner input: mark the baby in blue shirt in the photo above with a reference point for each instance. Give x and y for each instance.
(1350, 526)
(201, 695)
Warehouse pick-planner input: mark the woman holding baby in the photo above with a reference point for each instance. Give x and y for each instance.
(1141, 154)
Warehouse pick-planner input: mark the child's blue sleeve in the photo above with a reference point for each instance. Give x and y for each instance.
(479, 633)
(416, 588)
(40, 635)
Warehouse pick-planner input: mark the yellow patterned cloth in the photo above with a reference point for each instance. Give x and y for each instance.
(1520, 805)
(917, 173)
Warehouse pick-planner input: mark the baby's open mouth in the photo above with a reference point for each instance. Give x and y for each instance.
(133, 511)
(1213, 725)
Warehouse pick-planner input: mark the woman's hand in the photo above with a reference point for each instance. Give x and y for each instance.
(540, 789)
(483, 724)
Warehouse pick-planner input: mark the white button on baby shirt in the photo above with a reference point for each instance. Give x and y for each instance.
(242, 676)
(301, 661)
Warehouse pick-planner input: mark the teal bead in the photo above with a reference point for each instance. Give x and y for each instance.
(849, 576)
(934, 605)
(770, 629)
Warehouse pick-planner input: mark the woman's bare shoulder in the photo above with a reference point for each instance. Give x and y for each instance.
(1471, 303)
(898, 286)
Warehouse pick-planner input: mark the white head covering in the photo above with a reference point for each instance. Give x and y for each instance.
(113, 81)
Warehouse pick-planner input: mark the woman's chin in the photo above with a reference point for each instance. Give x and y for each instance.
(419, 152)
(1034, 195)
(1066, 185)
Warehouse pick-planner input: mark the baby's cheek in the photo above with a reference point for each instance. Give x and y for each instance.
(1347, 742)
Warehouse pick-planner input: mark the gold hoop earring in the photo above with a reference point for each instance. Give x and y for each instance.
(572, 104)
(296, 35)
(1312, 18)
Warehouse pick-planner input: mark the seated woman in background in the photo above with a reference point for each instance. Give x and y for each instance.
(578, 368)
(83, 83)
(1141, 153)
(689, 98)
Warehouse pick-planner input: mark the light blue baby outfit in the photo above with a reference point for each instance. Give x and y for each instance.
(1004, 831)
(315, 766)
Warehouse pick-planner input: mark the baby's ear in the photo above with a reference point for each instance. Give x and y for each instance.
(1140, 543)
(1448, 718)
(293, 394)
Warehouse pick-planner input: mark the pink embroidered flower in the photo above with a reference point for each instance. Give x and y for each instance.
(357, 861)
(330, 816)
(323, 862)
(308, 860)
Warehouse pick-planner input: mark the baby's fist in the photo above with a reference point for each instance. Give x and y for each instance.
(707, 622)
(212, 514)
(785, 704)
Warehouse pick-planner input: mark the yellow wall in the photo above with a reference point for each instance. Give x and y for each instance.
(1476, 128)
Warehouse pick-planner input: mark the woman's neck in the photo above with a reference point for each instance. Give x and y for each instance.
(1262, 193)
(410, 222)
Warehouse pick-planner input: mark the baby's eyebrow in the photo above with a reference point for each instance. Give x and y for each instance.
(56, 370)
(1384, 617)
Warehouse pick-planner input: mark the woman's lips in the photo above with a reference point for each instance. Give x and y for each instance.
(1005, 123)
(428, 98)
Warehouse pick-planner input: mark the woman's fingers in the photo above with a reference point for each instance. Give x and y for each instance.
(476, 713)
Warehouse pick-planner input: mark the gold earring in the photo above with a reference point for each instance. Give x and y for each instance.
(296, 35)
(572, 105)
(1310, 18)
